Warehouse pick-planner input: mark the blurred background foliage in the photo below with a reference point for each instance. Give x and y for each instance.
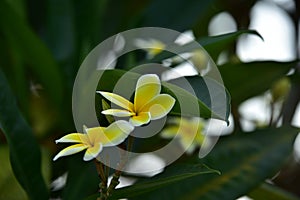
(42, 46)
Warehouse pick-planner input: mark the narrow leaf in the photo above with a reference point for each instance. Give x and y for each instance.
(244, 160)
(214, 45)
(245, 80)
(184, 98)
(9, 186)
(24, 151)
(34, 51)
(211, 93)
(269, 191)
(250, 159)
(82, 179)
(152, 184)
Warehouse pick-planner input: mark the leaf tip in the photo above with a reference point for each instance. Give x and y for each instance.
(257, 34)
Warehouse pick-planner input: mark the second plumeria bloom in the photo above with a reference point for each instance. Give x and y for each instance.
(188, 131)
(94, 139)
(151, 46)
(148, 104)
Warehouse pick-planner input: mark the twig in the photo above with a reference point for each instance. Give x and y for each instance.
(124, 157)
(103, 177)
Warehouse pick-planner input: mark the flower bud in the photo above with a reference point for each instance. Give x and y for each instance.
(106, 106)
(280, 89)
(199, 59)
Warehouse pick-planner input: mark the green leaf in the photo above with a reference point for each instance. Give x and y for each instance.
(179, 15)
(9, 186)
(159, 182)
(210, 92)
(16, 74)
(214, 45)
(33, 50)
(90, 34)
(268, 191)
(185, 101)
(250, 159)
(19, 6)
(245, 80)
(82, 179)
(183, 97)
(25, 154)
(244, 160)
(181, 173)
(224, 40)
(60, 35)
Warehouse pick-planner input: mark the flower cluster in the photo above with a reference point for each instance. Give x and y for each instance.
(148, 105)
(189, 132)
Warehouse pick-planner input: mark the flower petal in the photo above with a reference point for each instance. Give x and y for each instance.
(152, 46)
(74, 137)
(159, 106)
(92, 152)
(199, 139)
(116, 133)
(117, 112)
(147, 87)
(71, 150)
(94, 135)
(188, 145)
(176, 120)
(118, 100)
(140, 119)
(169, 132)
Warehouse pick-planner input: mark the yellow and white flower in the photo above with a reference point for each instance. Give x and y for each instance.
(148, 104)
(151, 46)
(188, 131)
(94, 139)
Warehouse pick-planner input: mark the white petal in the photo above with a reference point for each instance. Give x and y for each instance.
(70, 150)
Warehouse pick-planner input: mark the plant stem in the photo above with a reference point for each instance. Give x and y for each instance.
(103, 177)
(124, 157)
(272, 114)
(115, 180)
(130, 142)
(99, 167)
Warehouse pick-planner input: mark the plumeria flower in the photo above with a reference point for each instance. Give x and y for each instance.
(94, 139)
(148, 104)
(185, 38)
(188, 131)
(108, 60)
(196, 61)
(151, 46)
